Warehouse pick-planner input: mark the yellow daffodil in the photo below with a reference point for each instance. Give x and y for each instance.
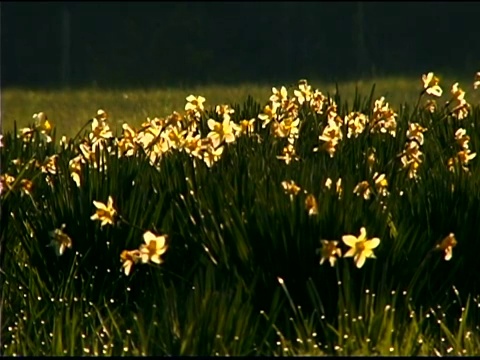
(304, 92)
(311, 205)
(195, 103)
(430, 105)
(75, 167)
(26, 186)
(331, 132)
(175, 136)
(154, 247)
(174, 119)
(192, 145)
(383, 118)
(430, 84)
(288, 154)
(465, 156)
(331, 135)
(50, 165)
(279, 96)
(339, 188)
(221, 131)
(328, 183)
(371, 158)
(462, 138)
(363, 189)
(128, 259)
(104, 213)
(447, 245)
(6, 182)
(100, 132)
(245, 127)
(127, 145)
(211, 155)
(415, 132)
(411, 158)
(43, 125)
(288, 127)
(356, 123)
(290, 188)
(269, 114)
(332, 113)
(101, 115)
(381, 184)
(457, 93)
(360, 247)
(476, 81)
(329, 251)
(60, 241)
(26, 134)
(317, 102)
(224, 111)
(461, 110)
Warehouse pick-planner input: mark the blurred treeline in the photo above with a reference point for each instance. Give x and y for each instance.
(174, 43)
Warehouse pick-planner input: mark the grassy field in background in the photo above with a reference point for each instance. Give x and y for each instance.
(70, 109)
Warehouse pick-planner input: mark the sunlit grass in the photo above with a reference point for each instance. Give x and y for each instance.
(69, 109)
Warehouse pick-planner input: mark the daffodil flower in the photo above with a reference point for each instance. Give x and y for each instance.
(104, 213)
(195, 103)
(211, 155)
(311, 205)
(128, 259)
(415, 132)
(329, 251)
(430, 84)
(154, 247)
(356, 123)
(279, 96)
(360, 247)
(221, 131)
(381, 183)
(363, 189)
(447, 245)
(290, 188)
(476, 81)
(26, 186)
(60, 241)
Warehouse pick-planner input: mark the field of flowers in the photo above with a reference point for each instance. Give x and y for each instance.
(306, 225)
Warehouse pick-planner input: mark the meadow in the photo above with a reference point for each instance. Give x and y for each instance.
(305, 219)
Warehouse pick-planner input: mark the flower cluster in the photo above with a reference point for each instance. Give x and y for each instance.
(150, 251)
(464, 155)
(383, 118)
(411, 158)
(461, 107)
(361, 248)
(154, 247)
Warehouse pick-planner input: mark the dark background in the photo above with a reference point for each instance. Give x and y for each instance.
(185, 43)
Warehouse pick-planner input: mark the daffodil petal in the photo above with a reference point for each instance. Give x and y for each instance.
(360, 260)
(350, 252)
(349, 240)
(372, 243)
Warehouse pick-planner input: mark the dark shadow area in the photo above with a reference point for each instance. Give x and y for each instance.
(143, 44)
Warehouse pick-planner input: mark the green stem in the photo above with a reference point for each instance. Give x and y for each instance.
(81, 129)
(415, 109)
(125, 221)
